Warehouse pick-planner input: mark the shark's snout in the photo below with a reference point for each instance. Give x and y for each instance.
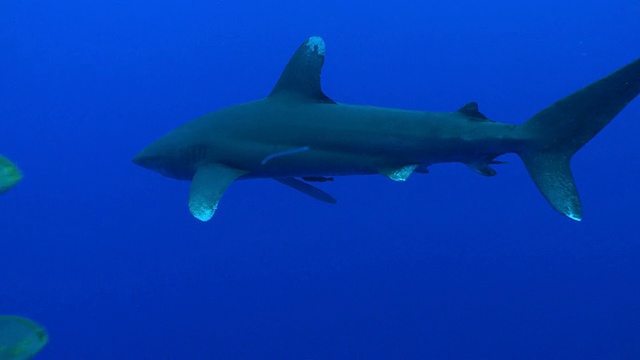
(166, 163)
(148, 159)
(151, 162)
(141, 159)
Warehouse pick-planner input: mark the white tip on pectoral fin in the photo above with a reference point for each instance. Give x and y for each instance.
(207, 187)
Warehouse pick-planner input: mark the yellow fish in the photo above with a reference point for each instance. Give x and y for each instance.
(10, 175)
(20, 338)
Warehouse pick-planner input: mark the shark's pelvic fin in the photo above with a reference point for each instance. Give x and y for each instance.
(560, 130)
(207, 187)
(300, 79)
(399, 174)
(308, 189)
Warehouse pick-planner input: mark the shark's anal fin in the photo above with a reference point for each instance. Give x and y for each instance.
(308, 189)
(399, 174)
(207, 187)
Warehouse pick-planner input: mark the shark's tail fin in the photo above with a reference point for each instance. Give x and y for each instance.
(560, 130)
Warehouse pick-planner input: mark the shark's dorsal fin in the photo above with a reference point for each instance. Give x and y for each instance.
(300, 79)
(471, 110)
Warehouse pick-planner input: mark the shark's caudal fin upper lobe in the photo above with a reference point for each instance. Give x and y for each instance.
(560, 130)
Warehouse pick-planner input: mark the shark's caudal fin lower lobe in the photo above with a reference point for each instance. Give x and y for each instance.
(560, 130)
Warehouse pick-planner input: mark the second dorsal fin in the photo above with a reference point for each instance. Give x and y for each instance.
(471, 110)
(300, 79)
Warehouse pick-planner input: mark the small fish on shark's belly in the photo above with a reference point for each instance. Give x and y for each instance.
(10, 175)
(308, 162)
(297, 135)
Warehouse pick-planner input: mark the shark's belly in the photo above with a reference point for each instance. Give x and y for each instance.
(348, 140)
(306, 159)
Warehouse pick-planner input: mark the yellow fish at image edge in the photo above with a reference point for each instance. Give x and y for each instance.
(20, 338)
(9, 174)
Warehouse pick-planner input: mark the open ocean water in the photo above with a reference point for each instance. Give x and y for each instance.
(449, 265)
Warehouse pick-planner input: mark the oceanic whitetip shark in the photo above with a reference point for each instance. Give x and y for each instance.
(298, 135)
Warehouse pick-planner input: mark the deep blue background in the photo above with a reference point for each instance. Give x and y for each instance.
(448, 265)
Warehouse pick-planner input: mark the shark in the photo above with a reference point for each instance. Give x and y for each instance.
(299, 136)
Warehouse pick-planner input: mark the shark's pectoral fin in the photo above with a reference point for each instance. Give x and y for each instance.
(207, 187)
(398, 174)
(308, 189)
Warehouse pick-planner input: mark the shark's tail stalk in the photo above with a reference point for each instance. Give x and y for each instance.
(560, 130)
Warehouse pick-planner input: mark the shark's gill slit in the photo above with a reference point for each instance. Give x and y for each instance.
(283, 153)
(194, 154)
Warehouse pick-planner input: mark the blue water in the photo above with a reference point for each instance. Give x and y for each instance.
(450, 265)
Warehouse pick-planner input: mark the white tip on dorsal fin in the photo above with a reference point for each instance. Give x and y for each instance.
(301, 77)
